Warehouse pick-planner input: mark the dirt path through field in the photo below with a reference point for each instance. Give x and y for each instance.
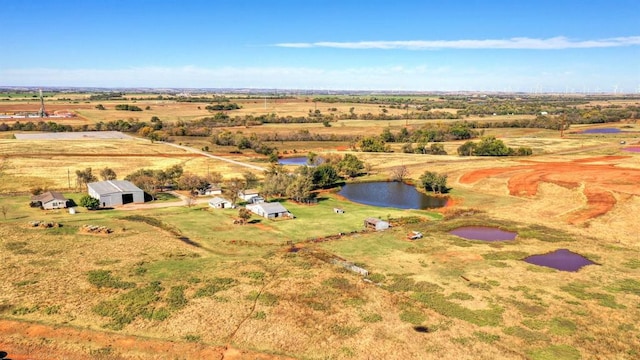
(190, 149)
(24, 340)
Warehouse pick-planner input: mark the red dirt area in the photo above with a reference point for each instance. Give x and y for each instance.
(23, 341)
(599, 180)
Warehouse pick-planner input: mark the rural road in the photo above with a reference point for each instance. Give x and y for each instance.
(190, 149)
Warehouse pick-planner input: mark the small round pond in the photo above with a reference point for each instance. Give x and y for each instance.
(298, 160)
(632, 149)
(602, 131)
(561, 259)
(484, 233)
(391, 194)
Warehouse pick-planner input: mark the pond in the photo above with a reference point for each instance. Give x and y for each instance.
(484, 233)
(297, 160)
(561, 259)
(391, 194)
(602, 131)
(632, 149)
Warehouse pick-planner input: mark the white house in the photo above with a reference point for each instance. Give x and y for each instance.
(50, 200)
(220, 203)
(115, 192)
(212, 190)
(269, 210)
(248, 195)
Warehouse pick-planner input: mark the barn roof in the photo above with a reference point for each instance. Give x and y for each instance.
(218, 200)
(113, 186)
(271, 208)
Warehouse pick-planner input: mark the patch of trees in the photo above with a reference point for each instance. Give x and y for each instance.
(48, 126)
(127, 107)
(106, 96)
(242, 142)
(299, 186)
(221, 107)
(431, 181)
(373, 144)
(151, 180)
(422, 148)
(490, 146)
(202, 99)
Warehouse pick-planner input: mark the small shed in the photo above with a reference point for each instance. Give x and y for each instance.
(220, 203)
(211, 190)
(115, 192)
(269, 210)
(376, 224)
(50, 200)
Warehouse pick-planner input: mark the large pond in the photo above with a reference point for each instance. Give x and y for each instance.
(561, 259)
(298, 160)
(602, 131)
(632, 149)
(391, 194)
(483, 233)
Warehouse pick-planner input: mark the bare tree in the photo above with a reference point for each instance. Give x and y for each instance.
(234, 186)
(5, 210)
(399, 173)
(107, 174)
(83, 177)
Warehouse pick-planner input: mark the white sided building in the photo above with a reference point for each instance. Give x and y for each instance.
(115, 192)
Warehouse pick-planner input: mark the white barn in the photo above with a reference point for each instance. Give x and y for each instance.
(115, 192)
(269, 210)
(220, 203)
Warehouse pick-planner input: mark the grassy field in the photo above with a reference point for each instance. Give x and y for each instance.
(188, 275)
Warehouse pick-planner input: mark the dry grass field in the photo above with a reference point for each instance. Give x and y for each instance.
(184, 282)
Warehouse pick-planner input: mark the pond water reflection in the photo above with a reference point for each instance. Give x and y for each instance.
(391, 194)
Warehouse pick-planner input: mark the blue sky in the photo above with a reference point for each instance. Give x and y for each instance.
(548, 46)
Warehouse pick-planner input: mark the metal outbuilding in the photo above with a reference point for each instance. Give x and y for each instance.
(115, 192)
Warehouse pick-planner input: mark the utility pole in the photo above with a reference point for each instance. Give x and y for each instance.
(69, 178)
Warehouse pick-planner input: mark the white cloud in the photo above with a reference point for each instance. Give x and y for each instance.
(554, 43)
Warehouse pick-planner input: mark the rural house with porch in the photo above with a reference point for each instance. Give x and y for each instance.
(49, 200)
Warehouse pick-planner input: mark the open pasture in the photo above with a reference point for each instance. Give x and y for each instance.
(221, 283)
(186, 282)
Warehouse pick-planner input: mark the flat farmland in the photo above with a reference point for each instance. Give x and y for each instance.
(186, 282)
(52, 163)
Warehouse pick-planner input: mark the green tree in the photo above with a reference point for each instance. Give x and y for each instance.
(490, 146)
(350, 165)
(89, 202)
(467, 149)
(276, 184)
(300, 188)
(324, 175)
(250, 179)
(437, 149)
(373, 144)
(431, 181)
